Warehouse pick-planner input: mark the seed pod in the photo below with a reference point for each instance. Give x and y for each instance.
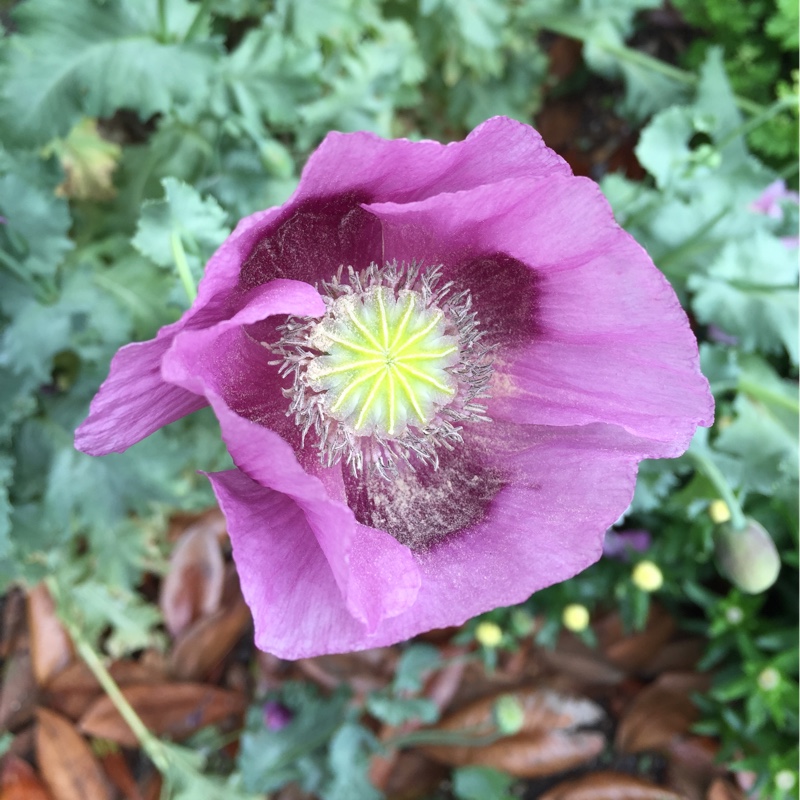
(748, 557)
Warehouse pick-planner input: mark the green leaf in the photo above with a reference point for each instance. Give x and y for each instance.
(350, 751)
(201, 224)
(6, 476)
(481, 783)
(95, 59)
(750, 292)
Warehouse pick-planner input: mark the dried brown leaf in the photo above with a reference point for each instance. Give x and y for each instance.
(18, 781)
(547, 743)
(13, 625)
(19, 691)
(75, 688)
(609, 786)
(67, 764)
(193, 585)
(632, 652)
(176, 710)
(660, 713)
(722, 789)
(51, 648)
(208, 640)
(119, 773)
(583, 663)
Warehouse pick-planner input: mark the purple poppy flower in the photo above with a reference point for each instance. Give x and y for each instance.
(436, 369)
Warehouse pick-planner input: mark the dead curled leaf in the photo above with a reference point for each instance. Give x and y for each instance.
(609, 786)
(175, 710)
(660, 713)
(548, 742)
(66, 761)
(18, 781)
(193, 585)
(51, 648)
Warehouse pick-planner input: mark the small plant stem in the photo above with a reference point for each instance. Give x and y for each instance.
(163, 30)
(623, 53)
(703, 463)
(150, 743)
(199, 18)
(446, 738)
(757, 391)
(184, 273)
(754, 122)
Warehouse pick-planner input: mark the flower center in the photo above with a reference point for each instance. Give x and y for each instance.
(385, 363)
(390, 371)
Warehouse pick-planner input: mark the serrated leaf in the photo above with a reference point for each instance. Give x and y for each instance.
(200, 223)
(350, 751)
(95, 59)
(750, 292)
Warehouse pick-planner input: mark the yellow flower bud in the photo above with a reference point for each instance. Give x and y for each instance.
(489, 634)
(647, 576)
(719, 512)
(575, 617)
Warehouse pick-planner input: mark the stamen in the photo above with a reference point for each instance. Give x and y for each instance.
(406, 384)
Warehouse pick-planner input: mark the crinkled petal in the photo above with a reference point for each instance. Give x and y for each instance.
(194, 363)
(134, 401)
(286, 579)
(566, 487)
(606, 339)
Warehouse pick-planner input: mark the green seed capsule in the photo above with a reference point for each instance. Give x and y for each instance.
(747, 557)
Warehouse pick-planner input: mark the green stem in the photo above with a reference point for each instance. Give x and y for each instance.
(445, 738)
(712, 472)
(691, 242)
(184, 273)
(150, 743)
(757, 391)
(162, 21)
(632, 56)
(199, 19)
(754, 122)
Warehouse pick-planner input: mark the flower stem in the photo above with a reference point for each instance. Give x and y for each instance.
(445, 738)
(704, 463)
(184, 273)
(199, 18)
(150, 743)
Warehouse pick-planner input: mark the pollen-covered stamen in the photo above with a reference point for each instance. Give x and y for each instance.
(389, 371)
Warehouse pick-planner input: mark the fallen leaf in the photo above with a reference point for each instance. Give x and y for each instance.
(660, 713)
(19, 691)
(573, 657)
(13, 624)
(175, 710)
(18, 781)
(75, 688)
(67, 764)
(51, 647)
(193, 585)
(692, 765)
(208, 640)
(413, 777)
(547, 743)
(722, 789)
(89, 162)
(609, 786)
(632, 652)
(119, 773)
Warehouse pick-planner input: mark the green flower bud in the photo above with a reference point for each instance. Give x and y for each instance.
(748, 557)
(509, 716)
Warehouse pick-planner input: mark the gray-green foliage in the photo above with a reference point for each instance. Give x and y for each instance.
(215, 106)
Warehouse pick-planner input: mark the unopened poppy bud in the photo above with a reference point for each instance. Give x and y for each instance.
(647, 576)
(719, 512)
(575, 617)
(768, 679)
(748, 557)
(489, 634)
(509, 716)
